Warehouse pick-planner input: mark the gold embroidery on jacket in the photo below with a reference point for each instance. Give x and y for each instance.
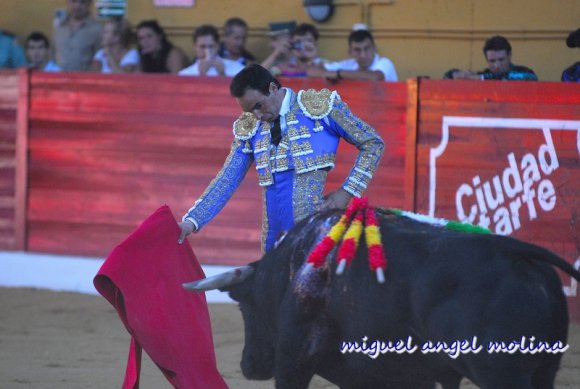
(298, 149)
(245, 126)
(218, 188)
(262, 145)
(308, 164)
(316, 104)
(307, 193)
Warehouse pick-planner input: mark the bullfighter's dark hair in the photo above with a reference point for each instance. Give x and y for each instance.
(497, 43)
(253, 77)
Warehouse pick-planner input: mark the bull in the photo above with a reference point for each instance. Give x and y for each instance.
(442, 288)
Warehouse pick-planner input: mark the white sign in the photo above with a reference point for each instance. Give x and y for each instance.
(510, 180)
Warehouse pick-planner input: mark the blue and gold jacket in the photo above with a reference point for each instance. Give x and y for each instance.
(315, 123)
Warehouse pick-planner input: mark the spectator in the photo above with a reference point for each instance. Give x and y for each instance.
(280, 42)
(498, 54)
(233, 45)
(77, 37)
(11, 54)
(38, 53)
(156, 53)
(116, 56)
(304, 53)
(207, 62)
(365, 64)
(573, 72)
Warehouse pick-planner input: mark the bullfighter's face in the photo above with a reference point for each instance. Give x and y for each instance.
(264, 107)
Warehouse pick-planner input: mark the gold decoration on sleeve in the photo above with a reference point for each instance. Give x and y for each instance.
(369, 143)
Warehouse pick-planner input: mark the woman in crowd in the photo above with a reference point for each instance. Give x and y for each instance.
(157, 54)
(116, 56)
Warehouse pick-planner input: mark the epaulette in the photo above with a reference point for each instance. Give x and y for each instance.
(245, 126)
(316, 104)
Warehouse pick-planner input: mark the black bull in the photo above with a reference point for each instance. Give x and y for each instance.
(441, 286)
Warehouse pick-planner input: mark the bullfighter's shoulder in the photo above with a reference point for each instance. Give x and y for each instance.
(245, 126)
(317, 104)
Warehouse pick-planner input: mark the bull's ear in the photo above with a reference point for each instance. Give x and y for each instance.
(221, 281)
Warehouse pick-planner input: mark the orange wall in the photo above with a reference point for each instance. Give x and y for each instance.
(421, 37)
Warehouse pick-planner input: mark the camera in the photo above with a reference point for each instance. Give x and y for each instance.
(297, 46)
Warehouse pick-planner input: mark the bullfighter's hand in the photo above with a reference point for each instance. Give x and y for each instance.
(186, 228)
(337, 199)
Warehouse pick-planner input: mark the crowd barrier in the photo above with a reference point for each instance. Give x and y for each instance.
(85, 157)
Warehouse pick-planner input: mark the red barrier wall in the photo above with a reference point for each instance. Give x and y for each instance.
(505, 156)
(13, 111)
(105, 151)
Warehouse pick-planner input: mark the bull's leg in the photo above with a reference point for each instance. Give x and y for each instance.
(293, 370)
(504, 379)
(544, 377)
(293, 366)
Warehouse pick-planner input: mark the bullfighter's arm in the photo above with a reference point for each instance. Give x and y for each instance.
(365, 138)
(222, 187)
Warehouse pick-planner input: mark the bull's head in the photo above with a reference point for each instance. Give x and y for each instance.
(258, 356)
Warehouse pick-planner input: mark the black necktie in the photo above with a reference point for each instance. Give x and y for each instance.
(276, 132)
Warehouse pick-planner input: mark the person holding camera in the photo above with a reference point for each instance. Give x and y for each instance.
(303, 53)
(280, 35)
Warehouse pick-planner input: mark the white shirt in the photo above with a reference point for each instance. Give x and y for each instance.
(231, 68)
(382, 64)
(131, 57)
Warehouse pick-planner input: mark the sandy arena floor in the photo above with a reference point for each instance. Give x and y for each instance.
(63, 340)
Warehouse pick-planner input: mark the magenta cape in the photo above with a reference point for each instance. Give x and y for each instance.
(142, 279)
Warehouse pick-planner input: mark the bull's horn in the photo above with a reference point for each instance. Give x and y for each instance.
(222, 280)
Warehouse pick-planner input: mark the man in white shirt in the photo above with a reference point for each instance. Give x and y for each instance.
(207, 62)
(365, 64)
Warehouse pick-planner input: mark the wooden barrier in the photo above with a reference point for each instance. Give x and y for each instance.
(506, 156)
(13, 111)
(105, 151)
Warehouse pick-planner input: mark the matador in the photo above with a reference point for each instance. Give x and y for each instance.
(292, 138)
